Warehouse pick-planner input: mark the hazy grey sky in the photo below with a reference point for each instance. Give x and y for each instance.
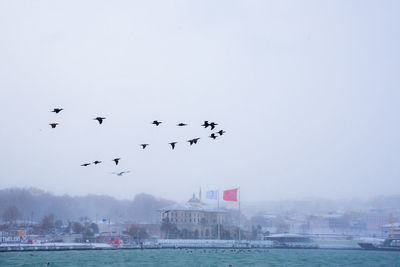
(308, 92)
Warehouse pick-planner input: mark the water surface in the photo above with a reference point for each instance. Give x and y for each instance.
(203, 257)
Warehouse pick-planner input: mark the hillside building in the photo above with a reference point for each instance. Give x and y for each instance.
(193, 219)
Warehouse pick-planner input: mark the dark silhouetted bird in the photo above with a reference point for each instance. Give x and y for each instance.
(181, 124)
(57, 110)
(116, 160)
(213, 136)
(173, 144)
(53, 125)
(85, 164)
(100, 119)
(213, 124)
(193, 141)
(96, 162)
(156, 122)
(144, 145)
(120, 173)
(205, 124)
(221, 132)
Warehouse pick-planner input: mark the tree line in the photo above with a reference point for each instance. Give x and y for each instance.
(33, 204)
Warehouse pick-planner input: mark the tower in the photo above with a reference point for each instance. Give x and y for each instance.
(200, 194)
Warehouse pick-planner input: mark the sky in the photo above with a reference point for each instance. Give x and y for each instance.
(307, 92)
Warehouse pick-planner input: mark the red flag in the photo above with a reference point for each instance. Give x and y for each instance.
(230, 195)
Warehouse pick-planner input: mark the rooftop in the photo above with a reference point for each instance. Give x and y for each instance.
(189, 207)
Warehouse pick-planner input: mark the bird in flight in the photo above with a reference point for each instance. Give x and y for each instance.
(144, 145)
(193, 141)
(96, 162)
(213, 136)
(205, 124)
(181, 124)
(173, 144)
(116, 160)
(85, 164)
(221, 132)
(99, 119)
(213, 124)
(57, 110)
(156, 122)
(53, 125)
(120, 173)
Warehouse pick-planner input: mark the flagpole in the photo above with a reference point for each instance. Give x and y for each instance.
(218, 219)
(239, 214)
(109, 231)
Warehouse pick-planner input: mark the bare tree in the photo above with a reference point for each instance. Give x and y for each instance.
(58, 224)
(77, 228)
(90, 229)
(47, 223)
(136, 231)
(11, 214)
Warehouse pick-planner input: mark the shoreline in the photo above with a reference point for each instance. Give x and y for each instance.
(80, 247)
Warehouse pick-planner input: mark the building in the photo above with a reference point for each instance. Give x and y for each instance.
(193, 219)
(391, 230)
(375, 219)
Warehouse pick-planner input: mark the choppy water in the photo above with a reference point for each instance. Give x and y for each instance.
(201, 257)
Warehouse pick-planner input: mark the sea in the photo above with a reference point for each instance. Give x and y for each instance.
(203, 257)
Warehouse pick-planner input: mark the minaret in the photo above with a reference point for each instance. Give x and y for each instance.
(200, 194)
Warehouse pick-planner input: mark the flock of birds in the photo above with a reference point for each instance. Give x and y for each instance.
(191, 142)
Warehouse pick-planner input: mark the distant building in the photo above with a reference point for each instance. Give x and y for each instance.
(193, 219)
(109, 226)
(337, 222)
(329, 224)
(375, 219)
(391, 230)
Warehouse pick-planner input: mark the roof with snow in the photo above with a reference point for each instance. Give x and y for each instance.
(189, 207)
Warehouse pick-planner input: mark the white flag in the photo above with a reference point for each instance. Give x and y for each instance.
(212, 194)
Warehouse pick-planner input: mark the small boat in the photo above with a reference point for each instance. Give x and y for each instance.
(392, 244)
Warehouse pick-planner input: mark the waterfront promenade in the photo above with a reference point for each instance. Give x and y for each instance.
(178, 244)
